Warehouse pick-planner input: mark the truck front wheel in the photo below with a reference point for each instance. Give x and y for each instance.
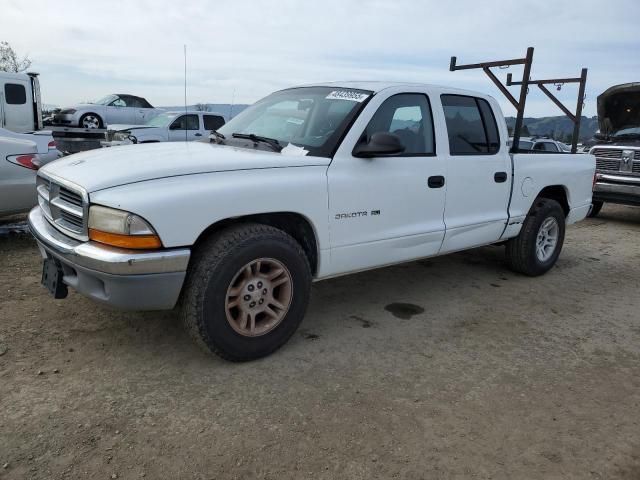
(91, 121)
(536, 249)
(246, 291)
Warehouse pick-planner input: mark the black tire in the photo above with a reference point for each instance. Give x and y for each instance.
(521, 250)
(212, 269)
(100, 123)
(595, 209)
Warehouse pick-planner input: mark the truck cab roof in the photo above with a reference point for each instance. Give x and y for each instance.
(377, 86)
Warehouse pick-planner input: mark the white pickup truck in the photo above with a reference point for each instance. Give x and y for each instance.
(166, 127)
(306, 184)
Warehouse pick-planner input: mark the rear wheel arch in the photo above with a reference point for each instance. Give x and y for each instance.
(298, 226)
(558, 193)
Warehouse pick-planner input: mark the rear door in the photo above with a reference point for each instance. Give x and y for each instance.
(386, 210)
(478, 173)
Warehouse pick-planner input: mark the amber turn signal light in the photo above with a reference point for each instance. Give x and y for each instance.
(137, 242)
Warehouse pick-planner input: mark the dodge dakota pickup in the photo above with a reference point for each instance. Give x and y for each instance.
(306, 184)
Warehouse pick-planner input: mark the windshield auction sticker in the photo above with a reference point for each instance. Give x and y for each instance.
(348, 95)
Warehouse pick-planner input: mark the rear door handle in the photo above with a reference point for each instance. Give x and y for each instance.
(198, 134)
(500, 177)
(436, 181)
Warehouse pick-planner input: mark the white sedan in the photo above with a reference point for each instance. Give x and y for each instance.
(179, 126)
(114, 108)
(47, 148)
(18, 165)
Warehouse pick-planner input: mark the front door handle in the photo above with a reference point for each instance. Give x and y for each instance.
(436, 181)
(198, 134)
(500, 177)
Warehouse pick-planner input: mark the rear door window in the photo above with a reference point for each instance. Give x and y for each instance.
(213, 122)
(15, 94)
(471, 125)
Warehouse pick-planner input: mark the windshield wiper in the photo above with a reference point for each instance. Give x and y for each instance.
(272, 142)
(217, 136)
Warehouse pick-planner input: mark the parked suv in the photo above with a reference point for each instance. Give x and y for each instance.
(542, 144)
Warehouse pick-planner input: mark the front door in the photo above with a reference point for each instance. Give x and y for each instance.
(386, 210)
(119, 112)
(478, 174)
(185, 128)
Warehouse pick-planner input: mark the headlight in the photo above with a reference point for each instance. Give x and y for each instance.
(68, 111)
(121, 229)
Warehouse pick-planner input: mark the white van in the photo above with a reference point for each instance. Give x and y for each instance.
(20, 104)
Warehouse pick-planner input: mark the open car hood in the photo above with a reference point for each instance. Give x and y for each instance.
(619, 107)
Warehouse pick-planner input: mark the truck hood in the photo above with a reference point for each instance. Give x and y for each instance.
(619, 107)
(110, 167)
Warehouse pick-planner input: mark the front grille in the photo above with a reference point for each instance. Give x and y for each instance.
(64, 206)
(71, 197)
(609, 165)
(614, 160)
(607, 153)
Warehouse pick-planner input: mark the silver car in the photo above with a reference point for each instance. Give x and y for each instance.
(18, 165)
(115, 108)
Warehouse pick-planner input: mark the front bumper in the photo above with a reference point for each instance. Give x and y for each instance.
(64, 119)
(127, 279)
(617, 189)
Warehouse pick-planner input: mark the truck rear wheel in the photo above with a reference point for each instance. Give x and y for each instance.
(536, 249)
(246, 291)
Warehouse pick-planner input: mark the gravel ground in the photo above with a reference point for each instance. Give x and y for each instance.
(446, 368)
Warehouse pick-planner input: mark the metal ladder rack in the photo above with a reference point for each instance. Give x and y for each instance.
(519, 104)
(576, 117)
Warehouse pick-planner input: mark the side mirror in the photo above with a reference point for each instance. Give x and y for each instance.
(381, 144)
(175, 126)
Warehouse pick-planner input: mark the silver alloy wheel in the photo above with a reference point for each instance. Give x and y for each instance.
(259, 297)
(547, 239)
(91, 121)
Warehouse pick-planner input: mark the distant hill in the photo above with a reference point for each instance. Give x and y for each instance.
(559, 128)
(226, 109)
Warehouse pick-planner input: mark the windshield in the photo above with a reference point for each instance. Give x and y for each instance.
(313, 118)
(162, 120)
(106, 100)
(627, 131)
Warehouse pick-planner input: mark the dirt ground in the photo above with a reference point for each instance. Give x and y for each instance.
(482, 374)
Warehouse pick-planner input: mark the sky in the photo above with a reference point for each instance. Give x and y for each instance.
(239, 51)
